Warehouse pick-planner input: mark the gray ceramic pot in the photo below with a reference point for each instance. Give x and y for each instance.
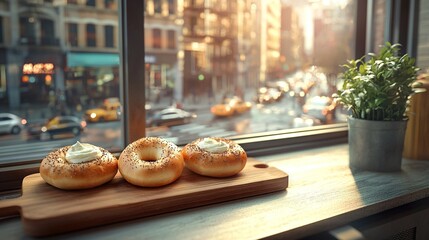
(376, 145)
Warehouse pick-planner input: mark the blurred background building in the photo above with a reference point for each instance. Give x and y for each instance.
(163, 48)
(210, 31)
(292, 52)
(58, 51)
(68, 51)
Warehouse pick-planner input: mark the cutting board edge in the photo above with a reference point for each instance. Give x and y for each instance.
(40, 228)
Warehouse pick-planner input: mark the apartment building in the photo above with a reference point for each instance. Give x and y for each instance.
(68, 49)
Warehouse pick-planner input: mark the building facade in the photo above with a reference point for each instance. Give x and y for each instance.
(270, 39)
(292, 52)
(163, 44)
(58, 51)
(210, 47)
(230, 45)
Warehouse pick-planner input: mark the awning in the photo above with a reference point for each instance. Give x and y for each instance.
(92, 59)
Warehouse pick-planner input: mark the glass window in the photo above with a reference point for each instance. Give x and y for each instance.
(156, 34)
(48, 32)
(109, 36)
(249, 68)
(379, 24)
(172, 8)
(1, 30)
(90, 35)
(52, 79)
(90, 3)
(110, 4)
(72, 34)
(171, 39)
(27, 30)
(242, 69)
(423, 38)
(157, 6)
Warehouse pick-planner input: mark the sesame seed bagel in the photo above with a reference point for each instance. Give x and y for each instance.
(151, 162)
(58, 172)
(230, 161)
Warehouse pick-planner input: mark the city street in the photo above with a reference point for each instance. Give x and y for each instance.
(261, 118)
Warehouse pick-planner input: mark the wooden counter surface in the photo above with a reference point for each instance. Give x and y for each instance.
(323, 194)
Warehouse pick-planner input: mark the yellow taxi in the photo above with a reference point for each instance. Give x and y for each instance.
(109, 111)
(230, 107)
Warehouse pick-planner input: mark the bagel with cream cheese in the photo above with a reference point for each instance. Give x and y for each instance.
(79, 166)
(214, 157)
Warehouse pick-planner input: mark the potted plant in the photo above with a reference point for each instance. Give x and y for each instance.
(376, 90)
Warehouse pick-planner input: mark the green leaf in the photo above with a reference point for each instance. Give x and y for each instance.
(379, 88)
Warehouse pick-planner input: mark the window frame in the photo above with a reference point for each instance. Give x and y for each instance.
(131, 32)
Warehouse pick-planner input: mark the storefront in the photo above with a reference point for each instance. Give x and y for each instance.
(163, 78)
(27, 77)
(91, 77)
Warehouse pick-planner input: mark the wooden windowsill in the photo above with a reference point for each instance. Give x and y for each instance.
(323, 194)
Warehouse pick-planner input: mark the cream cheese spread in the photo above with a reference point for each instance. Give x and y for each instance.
(212, 145)
(82, 152)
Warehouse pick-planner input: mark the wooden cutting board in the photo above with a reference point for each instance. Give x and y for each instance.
(46, 210)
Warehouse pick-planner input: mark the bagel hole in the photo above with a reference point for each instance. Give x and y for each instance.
(261, 165)
(149, 160)
(150, 154)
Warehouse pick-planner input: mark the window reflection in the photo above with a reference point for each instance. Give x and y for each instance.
(61, 62)
(266, 58)
(277, 56)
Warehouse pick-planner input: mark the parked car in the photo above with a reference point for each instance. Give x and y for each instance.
(320, 107)
(110, 110)
(57, 125)
(169, 117)
(268, 95)
(10, 123)
(231, 106)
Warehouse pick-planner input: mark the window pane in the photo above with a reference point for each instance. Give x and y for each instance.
(423, 46)
(109, 36)
(59, 71)
(156, 38)
(172, 7)
(1, 29)
(171, 39)
(47, 32)
(27, 30)
(157, 6)
(90, 35)
(72, 34)
(90, 3)
(244, 67)
(110, 4)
